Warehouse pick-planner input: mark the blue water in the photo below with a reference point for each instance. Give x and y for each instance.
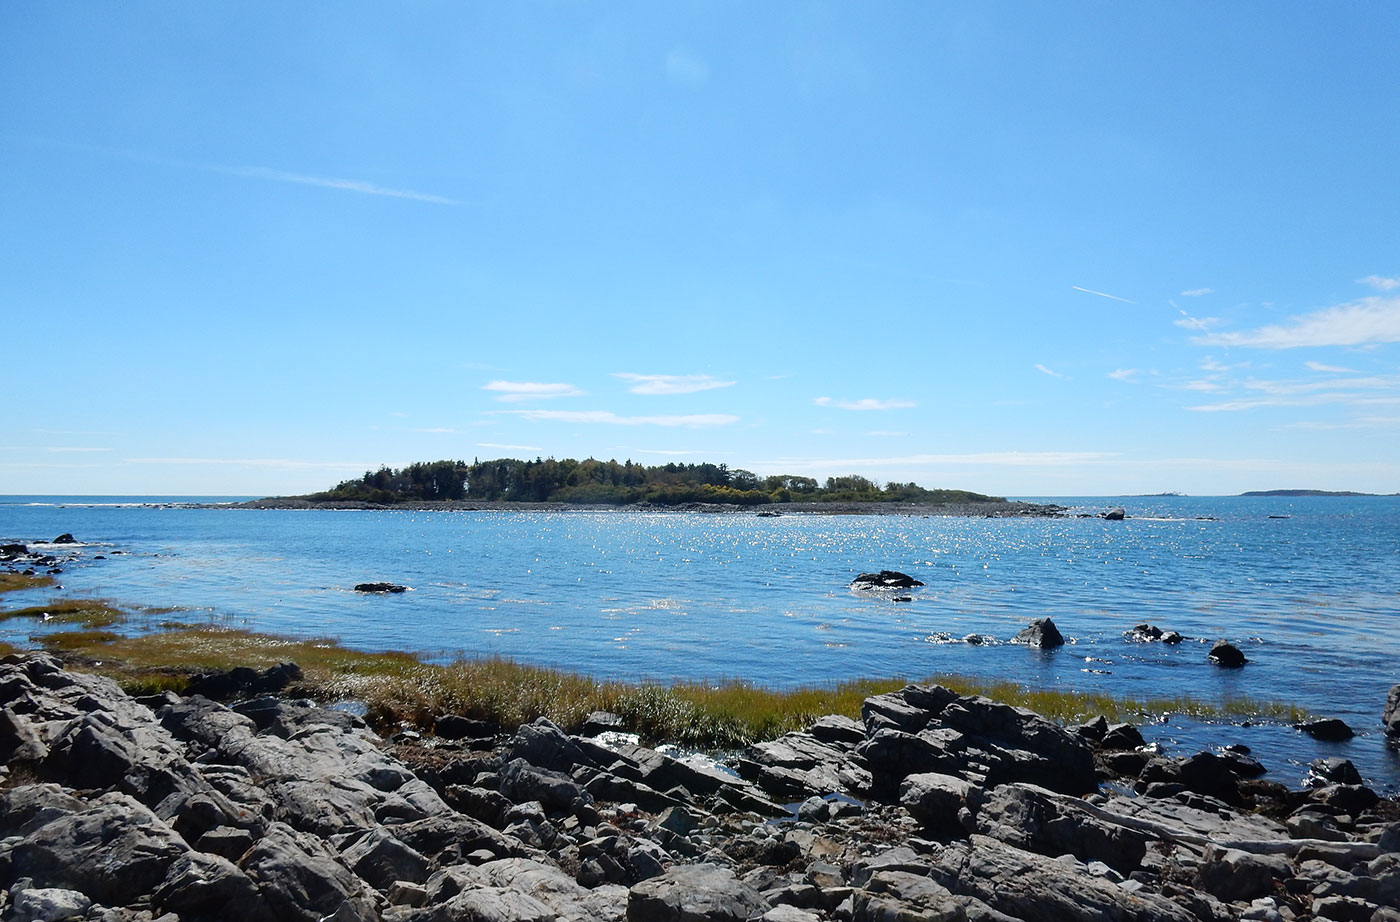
(1313, 599)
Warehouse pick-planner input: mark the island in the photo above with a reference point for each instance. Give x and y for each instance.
(1310, 493)
(547, 483)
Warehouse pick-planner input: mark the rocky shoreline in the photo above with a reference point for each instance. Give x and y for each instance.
(1005, 508)
(932, 807)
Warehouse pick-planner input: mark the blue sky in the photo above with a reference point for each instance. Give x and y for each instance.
(1029, 249)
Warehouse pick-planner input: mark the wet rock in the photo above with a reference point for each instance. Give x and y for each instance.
(1328, 729)
(380, 587)
(1040, 633)
(1143, 633)
(1390, 717)
(1116, 514)
(695, 892)
(601, 722)
(242, 682)
(1224, 653)
(885, 579)
(65, 538)
(11, 551)
(1332, 770)
(1122, 736)
(456, 727)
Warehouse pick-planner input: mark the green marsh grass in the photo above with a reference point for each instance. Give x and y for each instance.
(399, 688)
(90, 613)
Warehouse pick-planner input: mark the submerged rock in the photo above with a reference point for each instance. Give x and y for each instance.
(1390, 717)
(885, 579)
(380, 587)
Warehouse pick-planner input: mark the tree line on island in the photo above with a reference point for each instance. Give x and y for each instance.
(612, 483)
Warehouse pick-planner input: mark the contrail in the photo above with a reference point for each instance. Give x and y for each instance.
(1102, 294)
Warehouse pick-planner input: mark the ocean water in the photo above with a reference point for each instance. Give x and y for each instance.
(1308, 587)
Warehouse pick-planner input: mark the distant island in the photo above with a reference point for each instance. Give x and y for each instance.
(567, 482)
(1310, 493)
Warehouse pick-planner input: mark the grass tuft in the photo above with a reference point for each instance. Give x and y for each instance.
(13, 582)
(90, 613)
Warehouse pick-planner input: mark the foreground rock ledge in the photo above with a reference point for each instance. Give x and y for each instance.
(931, 807)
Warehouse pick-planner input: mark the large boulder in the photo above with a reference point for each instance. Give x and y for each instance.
(1390, 717)
(885, 579)
(694, 893)
(1224, 653)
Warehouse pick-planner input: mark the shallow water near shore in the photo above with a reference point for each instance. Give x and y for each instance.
(1313, 599)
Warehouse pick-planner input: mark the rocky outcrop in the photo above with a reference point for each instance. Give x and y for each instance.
(1390, 717)
(380, 587)
(932, 806)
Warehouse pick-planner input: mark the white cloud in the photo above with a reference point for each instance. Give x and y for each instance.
(1196, 323)
(1373, 319)
(1381, 283)
(1123, 374)
(1197, 292)
(693, 420)
(671, 384)
(1043, 370)
(1334, 369)
(516, 391)
(1310, 400)
(867, 403)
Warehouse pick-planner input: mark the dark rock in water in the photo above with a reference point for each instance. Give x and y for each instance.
(1142, 633)
(1328, 729)
(380, 587)
(1116, 514)
(1391, 716)
(1040, 633)
(241, 682)
(885, 579)
(1332, 770)
(65, 538)
(13, 550)
(1172, 637)
(1226, 654)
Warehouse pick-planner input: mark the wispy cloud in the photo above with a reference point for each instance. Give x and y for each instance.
(1101, 294)
(1196, 323)
(975, 459)
(607, 417)
(671, 384)
(516, 391)
(1197, 292)
(1123, 374)
(867, 403)
(1361, 422)
(285, 463)
(1380, 283)
(1373, 319)
(330, 182)
(1046, 371)
(500, 447)
(1332, 369)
